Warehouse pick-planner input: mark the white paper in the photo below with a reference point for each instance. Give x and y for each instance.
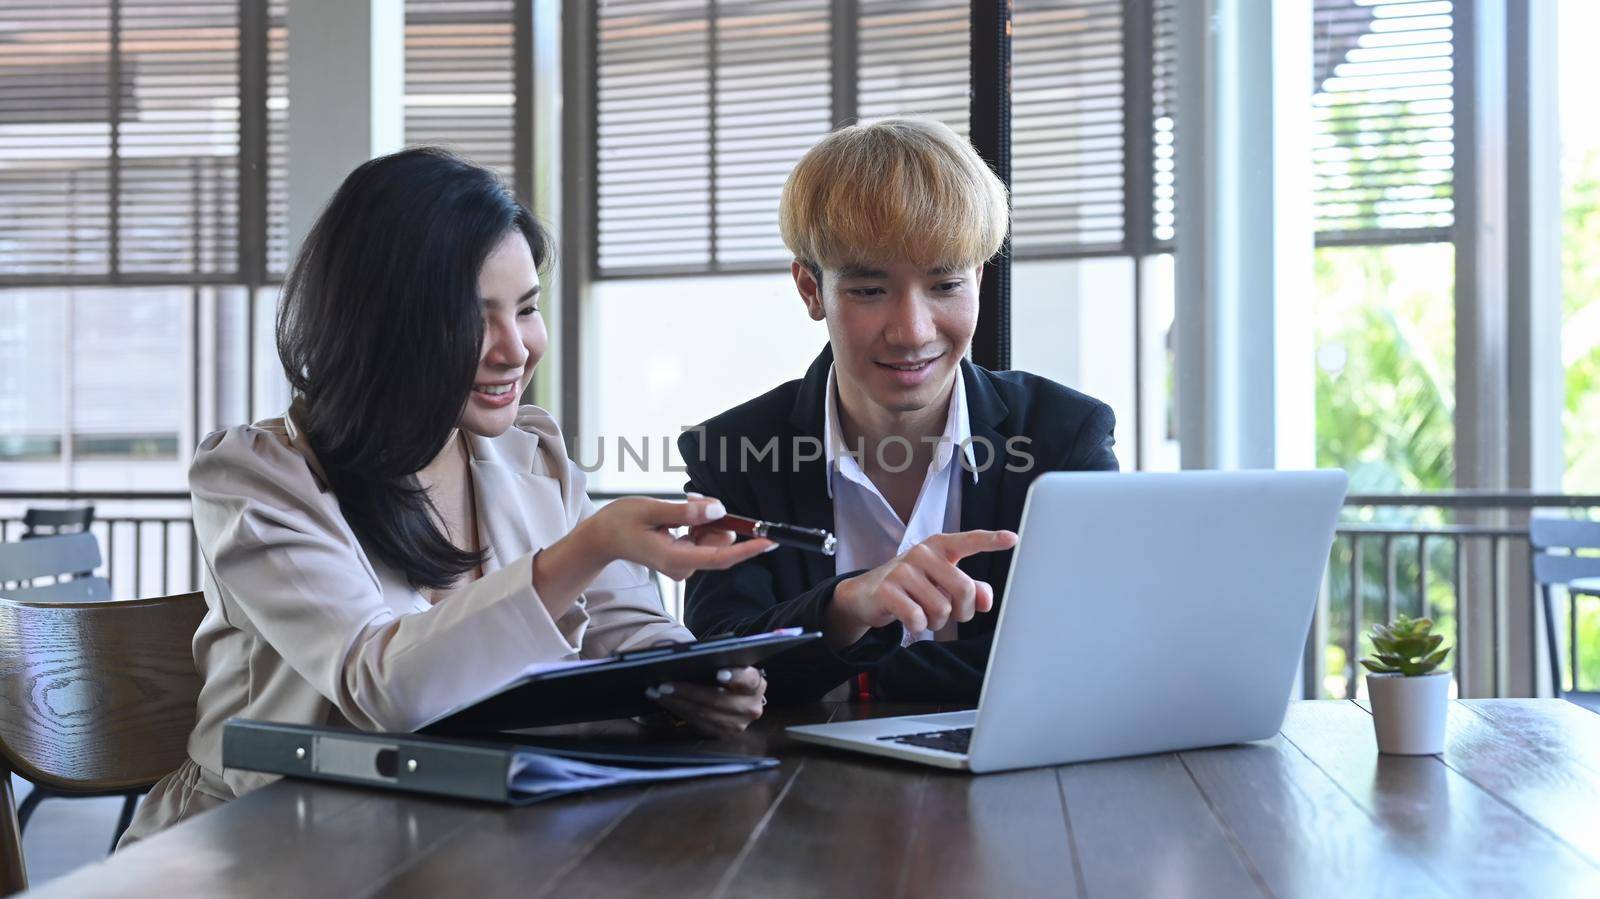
(537, 774)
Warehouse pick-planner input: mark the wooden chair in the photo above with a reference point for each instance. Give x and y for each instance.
(95, 699)
(1557, 569)
(60, 556)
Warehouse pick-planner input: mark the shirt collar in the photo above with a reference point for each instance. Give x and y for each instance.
(957, 433)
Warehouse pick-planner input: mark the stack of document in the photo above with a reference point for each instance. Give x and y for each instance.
(541, 775)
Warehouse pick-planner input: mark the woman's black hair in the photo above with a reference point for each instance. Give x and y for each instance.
(380, 331)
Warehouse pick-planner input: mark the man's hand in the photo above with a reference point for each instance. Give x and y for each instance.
(922, 588)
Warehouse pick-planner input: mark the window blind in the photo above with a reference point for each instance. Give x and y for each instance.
(277, 225)
(773, 100)
(119, 130)
(915, 59)
(1068, 151)
(1164, 112)
(459, 93)
(1384, 118)
(653, 134)
(459, 70)
(55, 137)
(178, 186)
(703, 109)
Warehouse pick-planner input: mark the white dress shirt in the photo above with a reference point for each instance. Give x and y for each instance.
(869, 531)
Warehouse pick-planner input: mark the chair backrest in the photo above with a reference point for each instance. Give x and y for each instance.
(83, 589)
(98, 696)
(38, 522)
(1545, 534)
(23, 560)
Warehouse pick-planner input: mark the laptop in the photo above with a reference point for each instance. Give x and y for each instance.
(1144, 613)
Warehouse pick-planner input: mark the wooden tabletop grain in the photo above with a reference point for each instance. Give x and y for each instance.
(1512, 808)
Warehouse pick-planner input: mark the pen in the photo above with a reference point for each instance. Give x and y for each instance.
(813, 539)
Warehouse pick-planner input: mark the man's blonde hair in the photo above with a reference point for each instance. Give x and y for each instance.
(903, 189)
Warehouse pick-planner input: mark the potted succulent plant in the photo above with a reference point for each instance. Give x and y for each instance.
(1409, 696)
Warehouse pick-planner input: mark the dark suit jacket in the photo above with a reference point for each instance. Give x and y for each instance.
(1061, 429)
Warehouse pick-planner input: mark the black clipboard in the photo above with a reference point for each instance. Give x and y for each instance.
(613, 688)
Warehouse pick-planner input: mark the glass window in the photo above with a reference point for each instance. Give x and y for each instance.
(270, 397)
(1159, 375)
(1580, 263)
(110, 388)
(1384, 319)
(128, 396)
(1073, 322)
(32, 358)
(669, 353)
(1580, 251)
(1385, 344)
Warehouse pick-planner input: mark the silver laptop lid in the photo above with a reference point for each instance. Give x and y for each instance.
(1151, 612)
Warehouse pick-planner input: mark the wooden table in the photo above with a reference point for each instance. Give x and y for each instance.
(1512, 808)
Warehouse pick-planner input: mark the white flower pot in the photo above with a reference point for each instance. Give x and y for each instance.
(1409, 712)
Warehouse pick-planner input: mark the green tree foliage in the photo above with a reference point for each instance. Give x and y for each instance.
(1580, 351)
(1385, 381)
(1580, 337)
(1385, 405)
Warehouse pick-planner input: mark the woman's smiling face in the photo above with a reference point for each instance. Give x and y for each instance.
(514, 337)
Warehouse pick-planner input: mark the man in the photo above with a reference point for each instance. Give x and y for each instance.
(915, 458)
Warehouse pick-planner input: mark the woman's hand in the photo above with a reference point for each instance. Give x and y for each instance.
(716, 711)
(640, 530)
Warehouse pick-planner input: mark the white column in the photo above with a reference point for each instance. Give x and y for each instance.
(1535, 373)
(1537, 376)
(346, 96)
(1245, 383)
(546, 49)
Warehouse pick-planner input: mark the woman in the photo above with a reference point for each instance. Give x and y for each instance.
(406, 538)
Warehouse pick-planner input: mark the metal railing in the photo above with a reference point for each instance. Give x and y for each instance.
(1460, 557)
(147, 541)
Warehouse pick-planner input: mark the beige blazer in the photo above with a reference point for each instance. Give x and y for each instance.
(303, 626)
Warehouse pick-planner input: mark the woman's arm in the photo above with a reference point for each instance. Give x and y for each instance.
(289, 571)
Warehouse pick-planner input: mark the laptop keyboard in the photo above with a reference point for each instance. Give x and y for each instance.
(955, 740)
